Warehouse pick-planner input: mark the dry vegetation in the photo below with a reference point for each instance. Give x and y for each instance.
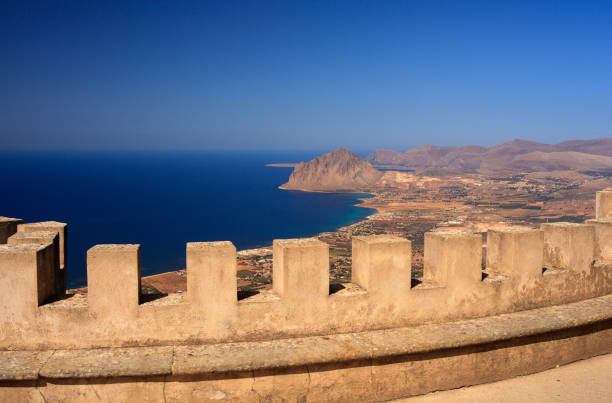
(410, 204)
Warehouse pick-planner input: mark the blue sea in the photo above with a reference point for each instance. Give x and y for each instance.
(162, 200)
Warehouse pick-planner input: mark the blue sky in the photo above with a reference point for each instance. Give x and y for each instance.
(302, 75)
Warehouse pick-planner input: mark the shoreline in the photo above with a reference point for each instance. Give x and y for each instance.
(174, 281)
(409, 206)
(283, 164)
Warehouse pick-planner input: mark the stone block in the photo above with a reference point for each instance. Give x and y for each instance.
(26, 278)
(108, 362)
(515, 252)
(603, 204)
(113, 280)
(44, 238)
(234, 387)
(603, 238)
(569, 246)
(382, 264)
(129, 389)
(62, 230)
(452, 258)
(22, 365)
(8, 226)
(211, 275)
(300, 268)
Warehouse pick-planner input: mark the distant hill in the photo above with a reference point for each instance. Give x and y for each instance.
(516, 155)
(338, 170)
(561, 161)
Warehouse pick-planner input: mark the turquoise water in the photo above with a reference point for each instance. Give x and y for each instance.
(162, 200)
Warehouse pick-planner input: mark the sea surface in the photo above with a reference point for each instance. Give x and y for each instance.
(162, 200)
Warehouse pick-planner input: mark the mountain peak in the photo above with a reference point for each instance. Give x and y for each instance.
(340, 152)
(340, 169)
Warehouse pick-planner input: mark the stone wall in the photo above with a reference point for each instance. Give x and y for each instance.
(525, 269)
(368, 366)
(542, 299)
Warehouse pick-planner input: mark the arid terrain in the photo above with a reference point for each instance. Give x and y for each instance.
(408, 204)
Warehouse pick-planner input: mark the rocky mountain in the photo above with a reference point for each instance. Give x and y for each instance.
(338, 170)
(517, 155)
(561, 161)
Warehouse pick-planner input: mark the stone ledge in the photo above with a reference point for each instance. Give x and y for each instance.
(22, 365)
(284, 353)
(108, 362)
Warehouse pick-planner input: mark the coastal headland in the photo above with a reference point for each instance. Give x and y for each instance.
(408, 204)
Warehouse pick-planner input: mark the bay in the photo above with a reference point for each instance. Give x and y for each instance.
(162, 200)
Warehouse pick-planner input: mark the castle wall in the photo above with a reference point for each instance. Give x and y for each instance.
(525, 269)
(44, 238)
(603, 204)
(541, 299)
(371, 366)
(62, 231)
(454, 287)
(8, 226)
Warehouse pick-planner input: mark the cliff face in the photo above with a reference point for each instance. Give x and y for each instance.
(339, 170)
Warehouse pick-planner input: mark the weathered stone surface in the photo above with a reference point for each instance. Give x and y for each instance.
(8, 226)
(53, 226)
(341, 382)
(22, 365)
(44, 238)
(382, 265)
(453, 258)
(108, 362)
(603, 235)
(211, 277)
(378, 339)
(365, 380)
(384, 343)
(301, 304)
(112, 390)
(265, 354)
(21, 392)
(27, 279)
(603, 204)
(113, 280)
(300, 269)
(516, 252)
(233, 387)
(284, 353)
(62, 247)
(281, 384)
(395, 363)
(569, 246)
(40, 237)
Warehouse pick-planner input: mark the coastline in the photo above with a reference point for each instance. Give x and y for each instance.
(410, 206)
(283, 164)
(254, 265)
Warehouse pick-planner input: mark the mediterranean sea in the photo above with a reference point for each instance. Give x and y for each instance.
(162, 200)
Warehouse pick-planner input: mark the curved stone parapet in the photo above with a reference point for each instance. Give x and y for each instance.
(539, 290)
(369, 366)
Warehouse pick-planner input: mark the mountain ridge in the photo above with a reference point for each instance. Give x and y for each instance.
(505, 156)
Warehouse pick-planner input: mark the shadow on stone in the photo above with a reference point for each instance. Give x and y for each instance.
(335, 287)
(244, 294)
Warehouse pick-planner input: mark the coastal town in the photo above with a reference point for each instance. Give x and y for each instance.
(408, 204)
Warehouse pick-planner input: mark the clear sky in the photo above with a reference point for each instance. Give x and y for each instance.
(302, 75)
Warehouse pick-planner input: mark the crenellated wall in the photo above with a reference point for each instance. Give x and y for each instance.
(525, 269)
(543, 299)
